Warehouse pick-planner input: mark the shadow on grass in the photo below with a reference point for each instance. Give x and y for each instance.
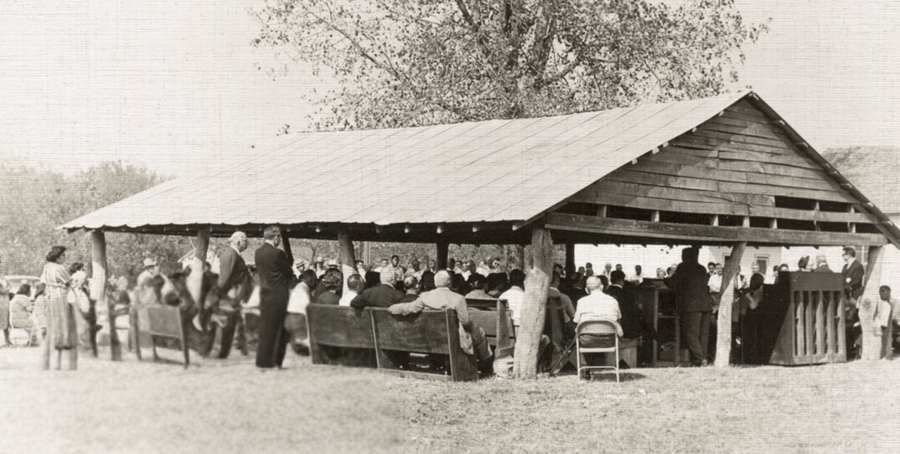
(611, 376)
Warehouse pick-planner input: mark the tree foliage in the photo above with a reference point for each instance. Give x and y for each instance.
(35, 201)
(417, 62)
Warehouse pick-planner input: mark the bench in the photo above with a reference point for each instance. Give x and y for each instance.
(163, 322)
(494, 318)
(376, 329)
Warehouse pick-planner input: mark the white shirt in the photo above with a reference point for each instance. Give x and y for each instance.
(637, 279)
(348, 296)
(597, 306)
(515, 297)
(715, 283)
(300, 298)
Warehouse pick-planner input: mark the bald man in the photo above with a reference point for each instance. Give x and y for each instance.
(471, 336)
(235, 286)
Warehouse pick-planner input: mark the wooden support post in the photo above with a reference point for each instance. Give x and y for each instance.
(726, 298)
(520, 257)
(570, 259)
(347, 257)
(654, 216)
(871, 345)
(195, 280)
(746, 222)
(443, 251)
(601, 211)
(534, 308)
(286, 244)
(100, 270)
(714, 221)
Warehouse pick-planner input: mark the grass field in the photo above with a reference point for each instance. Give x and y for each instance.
(228, 406)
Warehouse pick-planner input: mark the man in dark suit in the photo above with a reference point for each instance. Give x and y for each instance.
(852, 275)
(383, 295)
(235, 286)
(690, 283)
(275, 276)
(631, 313)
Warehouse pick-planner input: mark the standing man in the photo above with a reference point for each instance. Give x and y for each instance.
(151, 269)
(235, 286)
(852, 275)
(822, 264)
(690, 284)
(275, 278)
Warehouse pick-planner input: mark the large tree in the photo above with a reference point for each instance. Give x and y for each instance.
(401, 63)
(414, 62)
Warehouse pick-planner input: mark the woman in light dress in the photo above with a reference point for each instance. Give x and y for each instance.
(62, 332)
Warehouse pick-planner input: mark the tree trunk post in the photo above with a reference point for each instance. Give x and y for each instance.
(195, 280)
(570, 259)
(534, 309)
(443, 251)
(347, 257)
(726, 298)
(873, 269)
(520, 257)
(100, 273)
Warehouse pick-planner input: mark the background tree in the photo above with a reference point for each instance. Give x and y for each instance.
(403, 63)
(35, 201)
(406, 63)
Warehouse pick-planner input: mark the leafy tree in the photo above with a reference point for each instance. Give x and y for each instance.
(406, 63)
(37, 200)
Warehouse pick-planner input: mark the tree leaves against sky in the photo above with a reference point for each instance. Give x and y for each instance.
(406, 63)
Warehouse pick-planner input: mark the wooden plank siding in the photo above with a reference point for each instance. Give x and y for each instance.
(738, 163)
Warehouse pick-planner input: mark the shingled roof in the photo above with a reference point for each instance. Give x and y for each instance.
(874, 170)
(504, 174)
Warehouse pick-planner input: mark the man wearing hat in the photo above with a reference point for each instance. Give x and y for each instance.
(320, 267)
(151, 269)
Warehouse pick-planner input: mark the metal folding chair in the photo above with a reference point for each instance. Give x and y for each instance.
(605, 333)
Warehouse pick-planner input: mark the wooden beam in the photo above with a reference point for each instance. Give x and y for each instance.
(701, 233)
(726, 297)
(286, 244)
(195, 280)
(347, 257)
(443, 250)
(100, 270)
(570, 259)
(534, 308)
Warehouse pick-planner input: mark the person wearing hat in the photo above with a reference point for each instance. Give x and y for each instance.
(803, 264)
(151, 269)
(320, 267)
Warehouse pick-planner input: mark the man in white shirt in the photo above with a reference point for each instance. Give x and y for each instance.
(598, 305)
(515, 296)
(637, 278)
(354, 286)
(295, 321)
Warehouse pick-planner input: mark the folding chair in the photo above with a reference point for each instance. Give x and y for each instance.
(605, 334)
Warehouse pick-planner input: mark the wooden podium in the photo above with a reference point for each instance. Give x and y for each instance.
(800, 321)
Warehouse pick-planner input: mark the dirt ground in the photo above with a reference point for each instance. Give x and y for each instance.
(228, 406)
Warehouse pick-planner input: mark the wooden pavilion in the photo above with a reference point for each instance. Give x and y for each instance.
(726, 170)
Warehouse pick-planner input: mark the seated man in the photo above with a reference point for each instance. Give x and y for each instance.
(382, 295)
(471, 336)
(597, 306)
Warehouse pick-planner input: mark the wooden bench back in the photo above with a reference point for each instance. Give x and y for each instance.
(425, 332)
(164, 321)
(340, 326)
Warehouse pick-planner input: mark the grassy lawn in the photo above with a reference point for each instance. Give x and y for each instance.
(229, 406)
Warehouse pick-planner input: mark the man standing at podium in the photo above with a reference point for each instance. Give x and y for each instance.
(690, 283)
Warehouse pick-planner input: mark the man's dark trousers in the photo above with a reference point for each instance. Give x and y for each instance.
(272, 336)
(695, 328)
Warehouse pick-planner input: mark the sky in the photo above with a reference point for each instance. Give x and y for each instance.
(175, 84)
